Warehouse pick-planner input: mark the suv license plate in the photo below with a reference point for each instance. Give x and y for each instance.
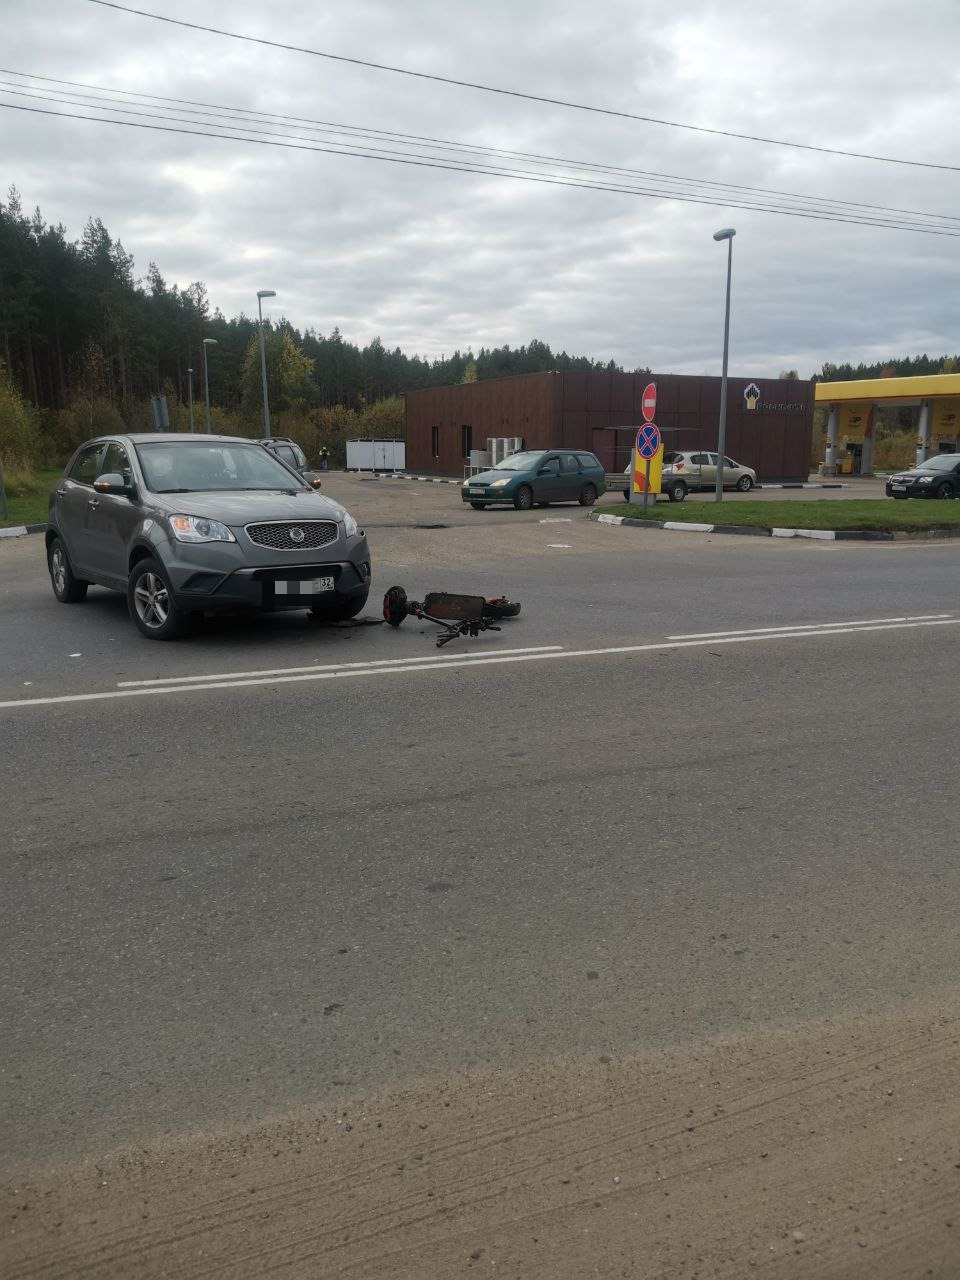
(305, 587)
(900, 488)
(476, 491)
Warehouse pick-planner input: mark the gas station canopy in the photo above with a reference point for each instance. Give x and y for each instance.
(851, 411)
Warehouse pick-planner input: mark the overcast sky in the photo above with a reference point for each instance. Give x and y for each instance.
(431, 261)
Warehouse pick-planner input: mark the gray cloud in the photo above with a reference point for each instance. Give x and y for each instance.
(432, 261)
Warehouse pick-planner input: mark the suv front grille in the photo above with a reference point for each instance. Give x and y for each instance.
(284, 537)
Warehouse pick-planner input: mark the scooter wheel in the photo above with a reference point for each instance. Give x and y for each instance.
(395, 606)
(501, 607)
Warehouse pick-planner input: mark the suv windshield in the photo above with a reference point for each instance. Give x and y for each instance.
(942, 462)
(183, 466)
(519, 462)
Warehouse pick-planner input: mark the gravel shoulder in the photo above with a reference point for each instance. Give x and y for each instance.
(827, 1151)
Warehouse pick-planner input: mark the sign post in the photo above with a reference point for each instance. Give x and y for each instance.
(648, 445)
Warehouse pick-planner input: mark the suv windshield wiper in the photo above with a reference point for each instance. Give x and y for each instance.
(174, 491)
(256, 488)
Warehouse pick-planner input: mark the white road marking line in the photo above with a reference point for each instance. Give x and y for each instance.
(331, 666)
(558, 546)
(461, 663)
(810, 626)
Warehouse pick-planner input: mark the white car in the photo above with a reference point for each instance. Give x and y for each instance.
(685, 471)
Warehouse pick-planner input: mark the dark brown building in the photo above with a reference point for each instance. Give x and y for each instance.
(769, 420)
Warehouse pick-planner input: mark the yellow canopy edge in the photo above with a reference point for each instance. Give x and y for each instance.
(924, 387)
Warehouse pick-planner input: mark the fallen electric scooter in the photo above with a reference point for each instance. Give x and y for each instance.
(456, 615)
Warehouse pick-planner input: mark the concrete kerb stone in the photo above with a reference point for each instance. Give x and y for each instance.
(401, 475)
(823, 535)
(21, 530)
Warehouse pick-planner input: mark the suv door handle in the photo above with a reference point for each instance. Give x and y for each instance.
(94, 502)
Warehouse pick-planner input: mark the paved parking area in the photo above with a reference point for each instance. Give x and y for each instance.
(413, 501)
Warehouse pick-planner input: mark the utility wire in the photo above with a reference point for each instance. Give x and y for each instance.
(516, 93)
(491, 171)
(820, 203)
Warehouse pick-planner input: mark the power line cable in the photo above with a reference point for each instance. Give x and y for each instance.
(516, 93)
(821, 203)
(491, 171)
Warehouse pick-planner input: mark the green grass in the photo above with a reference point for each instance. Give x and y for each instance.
(30, 508)
(867, 514)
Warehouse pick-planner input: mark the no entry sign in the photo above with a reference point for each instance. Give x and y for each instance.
(649, 402)
(648, 440)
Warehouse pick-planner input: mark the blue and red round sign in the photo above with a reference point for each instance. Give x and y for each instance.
(648, 440)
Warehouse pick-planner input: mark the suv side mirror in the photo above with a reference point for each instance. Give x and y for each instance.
(113, 482)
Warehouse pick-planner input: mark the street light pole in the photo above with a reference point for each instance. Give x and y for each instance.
(190, 395)
(261, 294)
(726, 234)
(207, 342)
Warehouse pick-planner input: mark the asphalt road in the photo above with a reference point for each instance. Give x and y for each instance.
(288, 879)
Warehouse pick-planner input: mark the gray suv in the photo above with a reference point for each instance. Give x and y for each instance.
(186, 523)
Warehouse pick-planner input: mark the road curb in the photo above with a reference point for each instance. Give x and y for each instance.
(402, 475)
(21, 530)
(820, 535)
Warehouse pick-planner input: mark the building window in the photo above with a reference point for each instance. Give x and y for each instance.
(466, 441)
(435, 442)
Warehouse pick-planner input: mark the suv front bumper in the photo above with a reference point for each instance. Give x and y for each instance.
(226, 580)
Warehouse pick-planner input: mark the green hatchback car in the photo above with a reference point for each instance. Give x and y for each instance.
(537, 477)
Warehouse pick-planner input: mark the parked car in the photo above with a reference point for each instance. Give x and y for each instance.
(685, 471)
(290, 453)
(538, 476)
(185, 523)
(938, 477)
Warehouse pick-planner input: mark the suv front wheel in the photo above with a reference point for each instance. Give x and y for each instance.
(676, 491)
(151, 603)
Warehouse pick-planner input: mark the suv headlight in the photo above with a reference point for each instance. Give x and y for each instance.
(925, 480)
(349, 524)
(199, 529)
(499, 484)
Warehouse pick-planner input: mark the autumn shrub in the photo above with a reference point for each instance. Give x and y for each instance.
(894, 452)
(20, 449)
(65, 429)
(384, 419)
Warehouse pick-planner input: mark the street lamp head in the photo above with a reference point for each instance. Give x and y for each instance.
(266, 293)
(726, 234)
(209, 342)
(189, 371)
